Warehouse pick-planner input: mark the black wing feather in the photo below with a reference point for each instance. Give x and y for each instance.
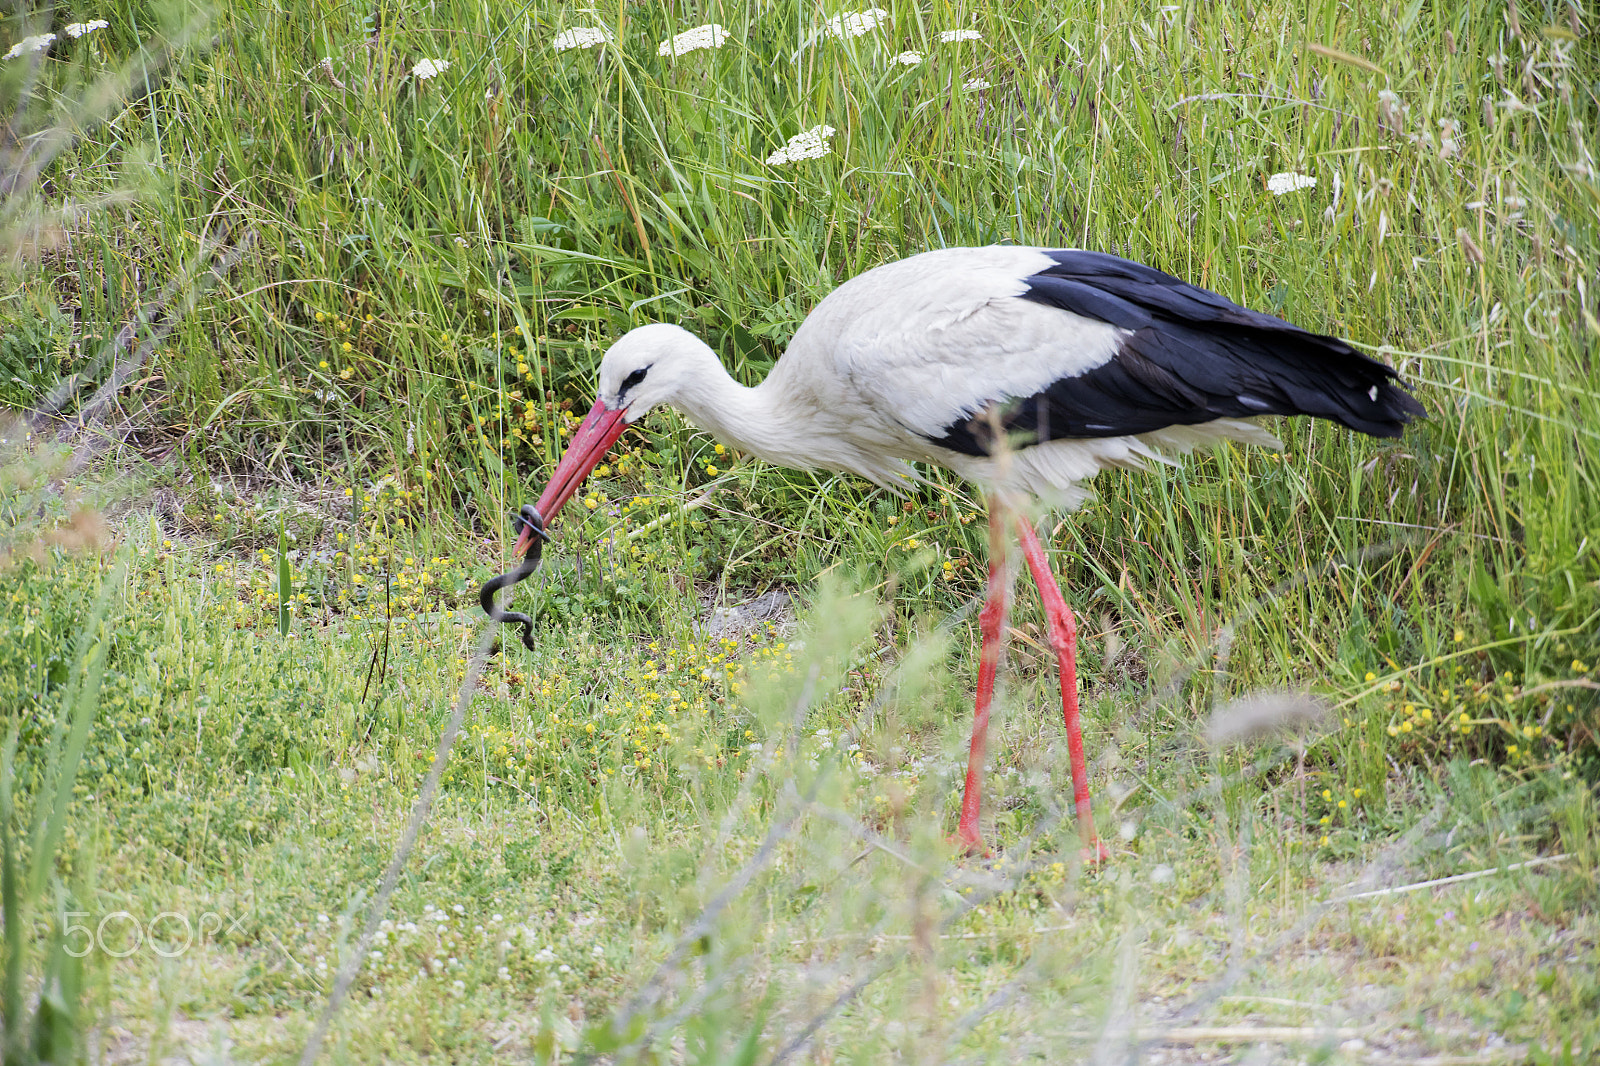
(1192, 356)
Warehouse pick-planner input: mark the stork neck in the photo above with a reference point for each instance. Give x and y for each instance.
(749, 419)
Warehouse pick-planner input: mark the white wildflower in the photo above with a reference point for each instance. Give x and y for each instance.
(36, 43)
(427, 68)
(710, 35)
(972, 85)
(580, 37)
(855, 23)
(952, 36)
(1288, 181)
(811, 144)
(909, 59)
(78, 29)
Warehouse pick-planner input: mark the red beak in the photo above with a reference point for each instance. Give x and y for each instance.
(598, 432)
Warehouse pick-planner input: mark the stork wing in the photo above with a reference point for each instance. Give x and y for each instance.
(1072, 344)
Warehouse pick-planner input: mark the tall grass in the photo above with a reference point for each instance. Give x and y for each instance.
(44, 981)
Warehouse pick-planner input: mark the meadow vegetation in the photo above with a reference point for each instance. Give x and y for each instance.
(300, 301)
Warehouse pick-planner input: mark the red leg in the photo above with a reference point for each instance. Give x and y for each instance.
(992, 623)
(1064, 639)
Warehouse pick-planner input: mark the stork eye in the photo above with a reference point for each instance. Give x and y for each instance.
(632, 379)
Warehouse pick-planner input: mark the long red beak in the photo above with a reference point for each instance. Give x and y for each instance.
(598, 432)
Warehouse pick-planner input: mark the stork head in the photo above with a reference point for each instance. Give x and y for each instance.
(647, 367)
(650, 366)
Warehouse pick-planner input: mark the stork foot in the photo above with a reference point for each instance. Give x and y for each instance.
(970, 845)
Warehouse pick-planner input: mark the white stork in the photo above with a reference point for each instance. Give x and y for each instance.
(1025, 370)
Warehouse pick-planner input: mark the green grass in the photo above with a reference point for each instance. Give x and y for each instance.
(420, 278)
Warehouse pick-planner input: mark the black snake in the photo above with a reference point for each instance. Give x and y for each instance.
(530, 519)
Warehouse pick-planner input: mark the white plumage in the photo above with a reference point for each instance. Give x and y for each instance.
(1026, 370)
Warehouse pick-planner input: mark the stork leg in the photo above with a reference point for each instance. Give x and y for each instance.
(992, 623)
(1063, 633)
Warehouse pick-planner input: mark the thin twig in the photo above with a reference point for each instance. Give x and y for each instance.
(1030, 931)
(1577, 682)
(1414, 525)
(1229, 1034)
(1295, 100)
(681, 510)
(1452, 879)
